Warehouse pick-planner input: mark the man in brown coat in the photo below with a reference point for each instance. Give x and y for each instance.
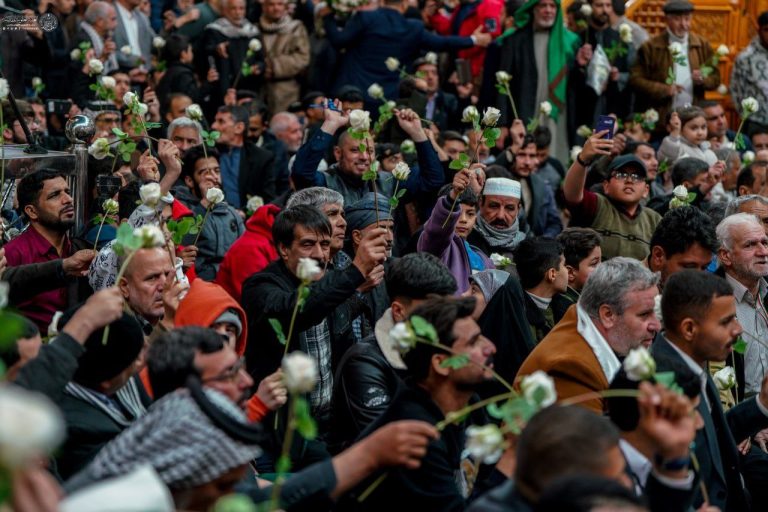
(648, 76)
(286, 46)
(615, 314)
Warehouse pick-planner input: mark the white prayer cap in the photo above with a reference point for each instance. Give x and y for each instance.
(502, 187)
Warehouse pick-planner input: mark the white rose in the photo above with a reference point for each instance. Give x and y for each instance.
(722, 89)
(722, 50)
(539, 388)
(30, 426)
(401, 337)
(725, 378)
(53, 327)
(748, 157)
(150, 194)
(254, 203)
(500, 261)
(4, 88)
(680, 192)
(37, 81)
(254, 45)
(639, 364)
(545, 108)
(401, 171)
(4, 289)
(360, 120)
(408, 146)
(485, 444)
(108, 82)
(308, 269)
(392, 64)
(675, 49)
(376, 91)
(158, 42)
(96, 66)
(584, 131)
(657, 308)
(126, 50)
(142, 109)
(299, 372)
(194, 112)
(431, 57)
(749, 105)
(491, 116)
(214, 195)
(391, 104)
(586, 10)
(470, 114)
(150, 235)
(129, 98)
(110, 206)
(575, 152)
(75, 54)
(503, 77)
(651, 116)
(625, 33)
(99, 149)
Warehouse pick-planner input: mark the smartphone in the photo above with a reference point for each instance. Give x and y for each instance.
(605, 123)
(490, 25)
(59, 107)
(211, 62)
(463, 71)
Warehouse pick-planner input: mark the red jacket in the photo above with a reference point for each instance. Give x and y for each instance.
(486, 9)
(250, 253)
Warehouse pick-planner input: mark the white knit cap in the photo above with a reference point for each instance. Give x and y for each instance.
(502, 187)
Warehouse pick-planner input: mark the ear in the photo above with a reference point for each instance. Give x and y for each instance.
(724, 256)
(436, 361)
(658, 257)
(605, 187)
(607, 316)
(398, 311)
(551, 275)
(688, 329)
(239, 128)
(743, 190)
(337, 153)
(357, 236)
(571, 274)
(189, 182)
(687, 184)
(282, 250)
(31, 212)
(123, 285)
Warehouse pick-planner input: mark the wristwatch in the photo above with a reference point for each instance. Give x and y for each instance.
(582, 162)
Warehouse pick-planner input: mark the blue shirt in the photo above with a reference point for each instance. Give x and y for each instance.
(230, 175)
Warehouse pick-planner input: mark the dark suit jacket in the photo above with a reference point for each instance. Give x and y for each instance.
(716, 449)
(257, 175)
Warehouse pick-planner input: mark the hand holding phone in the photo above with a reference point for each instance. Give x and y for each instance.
(606, 123)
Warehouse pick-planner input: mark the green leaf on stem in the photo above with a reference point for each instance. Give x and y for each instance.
(423, 329)
(369, 175)
(400, 193)
(666, 379)
(491, 135)
(305, 424)
(393, 202)
(740, 346)
(361, 148)
(119, 133)
(303, 294)
(706, 71)
(455, 362)
(739, 142)
(278, 328)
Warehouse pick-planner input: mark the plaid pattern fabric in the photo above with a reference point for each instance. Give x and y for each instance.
(316, 342)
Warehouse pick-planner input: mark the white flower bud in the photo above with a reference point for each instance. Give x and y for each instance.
(194, 112)
(539, 388)
(722, 89)
(254, 45)
(129, 98)
(545, 108)
(639, 364)
(584, 131)
(491, 116)
(748, 157)
(575, 152)
(485, 444)
(401, 171)
(651, 116)
(586, 10)
(308, 269)
(150, 194)
(151, 236)
(402, 338)
(108, 82)
(254, 203)
(675, 49)
(299, 372)
(110, 206)
(75, 54)
(214, 195)
(126, 50)
(360, 120)
(500, 261)
(408, 147)
(376, 91)
(95, 66)
(37, 81)
(680, 192)
(431, 58)
(158, 42)
(722, 50)
(99, 149)
(31, 426)
(749, 106)
(53, 327)
(625, 33)
(392, 64)
(725, 378)
(503, 77)
(470, 114)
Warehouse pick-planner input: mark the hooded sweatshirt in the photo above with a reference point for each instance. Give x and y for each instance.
(251, 253)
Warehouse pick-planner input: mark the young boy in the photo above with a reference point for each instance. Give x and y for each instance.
(581, 248)
(544, 277)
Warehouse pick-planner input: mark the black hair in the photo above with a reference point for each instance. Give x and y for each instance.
(175, 44)
(680, 228)
(450, 135)
(497, 171)
(239, 114)
(687, 169)
(746, 176)
(442, 313)
(307, 216)
(689, 294)
(467, 197)
(585, 493)
(578, 243)
(31, 185)
(417, 275)
(9, 352)
(528, 139)
(707, 104)
(542, 136)
(624, 412)
(758, 131)
(192, 155)
(170, 358)
(168, 101)
(128, 197)
(534, 257)
(257, 107)
(547, 451)
(632, 146)
(351, 94)
(762, 20)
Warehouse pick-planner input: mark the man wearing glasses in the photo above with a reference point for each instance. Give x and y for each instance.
(625, 225)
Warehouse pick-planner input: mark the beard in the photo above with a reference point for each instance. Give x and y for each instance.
(55, 223)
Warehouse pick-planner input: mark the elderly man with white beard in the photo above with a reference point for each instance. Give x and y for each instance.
(498, 225)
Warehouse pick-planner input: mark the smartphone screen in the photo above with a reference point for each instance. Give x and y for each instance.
(211, 62)
(490, 25)
(463, 71)
(605, 123)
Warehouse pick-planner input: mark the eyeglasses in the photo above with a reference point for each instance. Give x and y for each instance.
(626, 176)
(229, 375)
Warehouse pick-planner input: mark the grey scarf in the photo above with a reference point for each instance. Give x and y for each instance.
(506, 239)
(228, 29)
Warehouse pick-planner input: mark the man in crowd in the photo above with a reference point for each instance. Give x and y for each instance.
(498, 226)
(613, 316)
(755, 204)
(747, 76)
(582, 251)
(650, 71)
(184, 133)
(443, 108)
(143, 283)
(99, 22)
(133, 30)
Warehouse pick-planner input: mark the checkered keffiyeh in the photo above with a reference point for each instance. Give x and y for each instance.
(178, 440)
(316, 342)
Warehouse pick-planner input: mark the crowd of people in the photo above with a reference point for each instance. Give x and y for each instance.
(369, 254)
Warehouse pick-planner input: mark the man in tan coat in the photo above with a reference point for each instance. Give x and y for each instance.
(649, 74)
(615, 314)
(286, 47)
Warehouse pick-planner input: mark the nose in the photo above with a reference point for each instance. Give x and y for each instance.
(246, 381)
(317, 252)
